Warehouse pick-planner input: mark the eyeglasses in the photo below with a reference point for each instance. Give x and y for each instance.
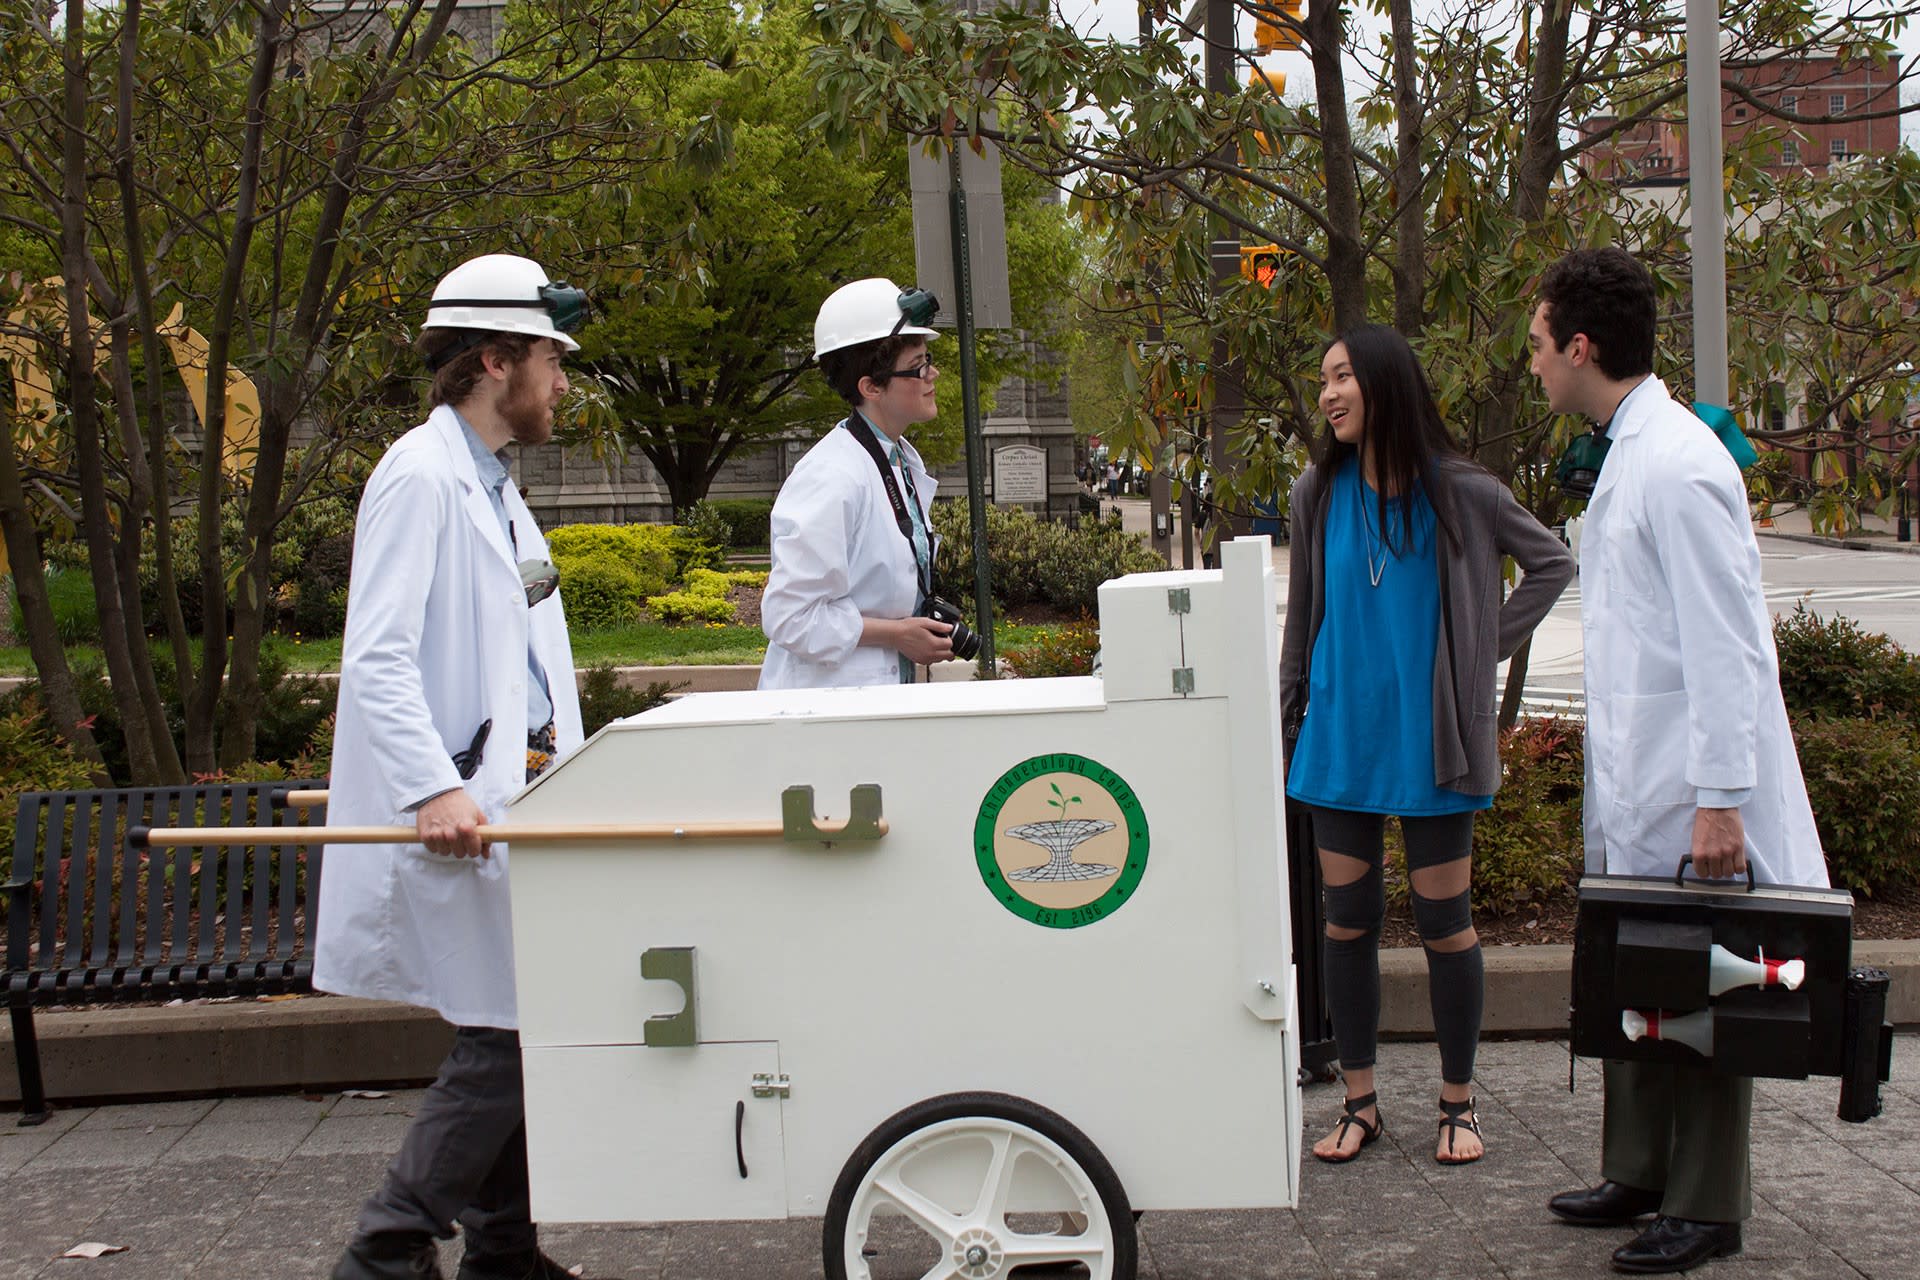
(923, 371)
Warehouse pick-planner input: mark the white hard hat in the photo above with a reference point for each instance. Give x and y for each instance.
(505, 293)
(868, 310)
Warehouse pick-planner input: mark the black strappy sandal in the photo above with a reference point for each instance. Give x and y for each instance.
(1350, 1119)
(1455, 1116)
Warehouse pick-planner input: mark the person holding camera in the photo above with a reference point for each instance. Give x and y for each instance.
(850, 591)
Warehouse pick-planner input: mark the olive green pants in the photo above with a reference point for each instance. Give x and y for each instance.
(1682, 1131)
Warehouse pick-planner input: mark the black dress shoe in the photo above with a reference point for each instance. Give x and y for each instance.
(1611, 1204)
(1676, 1244)
(517, 1266)
(390, 1255)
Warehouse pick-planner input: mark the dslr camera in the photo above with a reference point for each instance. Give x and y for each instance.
(966, 644)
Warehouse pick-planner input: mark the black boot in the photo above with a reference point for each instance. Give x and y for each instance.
(1676, 1244)
(1611, 1204)
(533, 1265)
(390, 1255)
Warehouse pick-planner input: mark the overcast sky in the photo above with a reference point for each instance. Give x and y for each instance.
(1121, 18)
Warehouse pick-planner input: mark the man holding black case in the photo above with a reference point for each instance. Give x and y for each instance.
(1688, 748)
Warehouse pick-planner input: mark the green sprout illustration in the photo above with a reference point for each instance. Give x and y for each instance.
(1061, 800)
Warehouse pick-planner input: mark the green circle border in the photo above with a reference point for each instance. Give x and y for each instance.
(1134, 867)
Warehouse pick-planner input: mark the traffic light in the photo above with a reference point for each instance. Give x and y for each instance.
(1260, 263)
(1274, 80)
(1271, 33)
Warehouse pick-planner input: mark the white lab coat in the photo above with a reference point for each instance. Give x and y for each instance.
(436, 642)
(1683, 684)
(838, 556)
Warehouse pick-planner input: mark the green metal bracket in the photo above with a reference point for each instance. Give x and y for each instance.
(800, 826)
(671, 1030)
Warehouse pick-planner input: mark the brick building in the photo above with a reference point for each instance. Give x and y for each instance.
(1824, 110)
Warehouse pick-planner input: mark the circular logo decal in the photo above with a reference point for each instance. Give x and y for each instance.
(1061, 840)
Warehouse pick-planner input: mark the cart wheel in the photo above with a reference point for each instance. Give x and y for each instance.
(974, 1186)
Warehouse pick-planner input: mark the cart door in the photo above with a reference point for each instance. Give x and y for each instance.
(631, 1133)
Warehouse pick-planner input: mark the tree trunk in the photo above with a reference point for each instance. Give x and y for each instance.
(57, 688)
(84, 406)
(153, 399)
(166, 758)
(1516, 684)
(1346, 245)
(282, 392)
(204, 704)
(1410, 213)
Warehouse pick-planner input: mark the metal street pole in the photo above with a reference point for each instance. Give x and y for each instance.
(1159, 480)
(1706, 185)
(970, 406)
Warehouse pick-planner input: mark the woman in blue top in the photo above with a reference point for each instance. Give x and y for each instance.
(1395, 625)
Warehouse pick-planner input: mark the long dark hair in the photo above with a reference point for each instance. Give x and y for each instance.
(1402, 430)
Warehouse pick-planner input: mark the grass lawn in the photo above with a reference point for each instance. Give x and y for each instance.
(644, 644)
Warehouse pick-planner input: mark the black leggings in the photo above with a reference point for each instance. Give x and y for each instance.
(1456, 980)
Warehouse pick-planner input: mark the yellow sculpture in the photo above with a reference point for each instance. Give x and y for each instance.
(33, 383)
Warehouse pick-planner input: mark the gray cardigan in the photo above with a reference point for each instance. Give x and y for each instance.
(1477, 630)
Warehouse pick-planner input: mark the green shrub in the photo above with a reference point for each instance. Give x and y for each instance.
(320, 596)
(1058, 651)
(685, 606)
(1036, 561)
(32, 758)
(748, 577)
(604, 699)
(657, 552)
(1833, 667)
(76, 616)
(1863, 778)
(748, 520)
(1528, 847)
(704, 522)
(600, 588)
(708, 582)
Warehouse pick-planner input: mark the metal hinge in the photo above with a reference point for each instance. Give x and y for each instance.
(766, 1084)
(1179, 600)
(1183, 680)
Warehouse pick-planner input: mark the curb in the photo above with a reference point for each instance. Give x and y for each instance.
(1844, 544)
(321, 1043)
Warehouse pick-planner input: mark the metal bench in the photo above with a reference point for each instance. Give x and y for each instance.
(93, 919)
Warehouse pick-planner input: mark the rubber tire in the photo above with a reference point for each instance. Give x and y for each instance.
(997, 1106)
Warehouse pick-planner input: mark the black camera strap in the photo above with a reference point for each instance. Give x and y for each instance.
(864, 432)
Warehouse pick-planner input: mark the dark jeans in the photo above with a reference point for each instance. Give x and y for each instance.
(464, 1158)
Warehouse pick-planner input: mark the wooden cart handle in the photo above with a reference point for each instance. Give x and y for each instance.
(798, 824)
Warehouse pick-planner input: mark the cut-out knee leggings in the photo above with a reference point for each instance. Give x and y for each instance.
(1456, 980)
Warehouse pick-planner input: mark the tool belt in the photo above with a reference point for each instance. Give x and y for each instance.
(540, 750)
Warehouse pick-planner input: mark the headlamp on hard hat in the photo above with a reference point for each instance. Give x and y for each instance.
(566, 305)
(917, 307)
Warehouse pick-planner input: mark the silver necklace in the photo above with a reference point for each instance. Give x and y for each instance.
(1379, 571)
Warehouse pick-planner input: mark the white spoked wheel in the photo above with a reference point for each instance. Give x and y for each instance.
(978, 1186)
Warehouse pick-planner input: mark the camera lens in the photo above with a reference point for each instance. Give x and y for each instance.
(966, 645)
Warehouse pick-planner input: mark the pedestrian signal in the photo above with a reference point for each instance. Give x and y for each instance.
(1272, 31)
(1260, 263)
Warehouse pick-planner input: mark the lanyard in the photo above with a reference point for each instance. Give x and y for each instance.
(901, 517)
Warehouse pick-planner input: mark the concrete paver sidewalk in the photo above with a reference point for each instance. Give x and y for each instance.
(268, 1187)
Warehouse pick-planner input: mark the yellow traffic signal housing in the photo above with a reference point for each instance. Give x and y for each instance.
(1271, 34)
(1260, 263)
(1274, 80)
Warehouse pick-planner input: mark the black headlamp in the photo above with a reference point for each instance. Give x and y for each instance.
(566, 304)
(1578, 470)
(917, 307)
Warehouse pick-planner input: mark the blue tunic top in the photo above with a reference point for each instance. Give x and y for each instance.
(1367, 741)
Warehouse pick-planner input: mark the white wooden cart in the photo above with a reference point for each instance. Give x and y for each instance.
(1041, 978)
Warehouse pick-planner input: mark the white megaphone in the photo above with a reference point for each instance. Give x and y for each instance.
(1725, 971)
(1694, 1030)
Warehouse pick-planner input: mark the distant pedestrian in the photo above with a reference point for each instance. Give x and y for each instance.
(1113, 480)
(1399, 543)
